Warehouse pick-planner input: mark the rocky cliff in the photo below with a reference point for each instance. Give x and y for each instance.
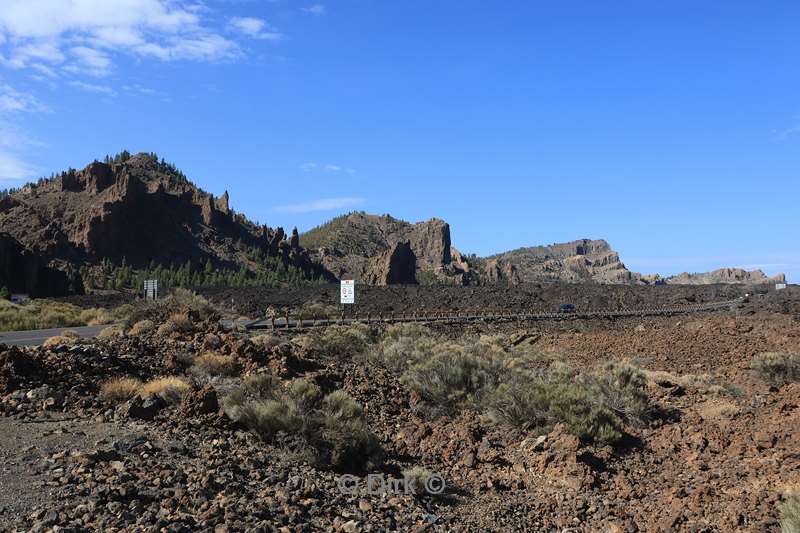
(725, 275)
(140, 210)
(353, 245)
(577, 261)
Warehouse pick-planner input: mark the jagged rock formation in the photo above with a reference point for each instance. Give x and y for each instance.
(395, 266)
(725, 275)
(577, 261)
(142, 210)
(351, 245)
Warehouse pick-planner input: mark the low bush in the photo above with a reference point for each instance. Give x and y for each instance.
(66, 337)
(452, 380)
(416, 479)
(333, 426)
(262, 385)
(44, 314)
(790, 513)
(142, 327)
(120, 389)
(317, 311)
(214, 364)
(170, 389)
(777, 368)
(111, 332)
(338, 341)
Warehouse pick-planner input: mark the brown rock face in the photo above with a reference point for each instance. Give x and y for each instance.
(499, 271)
(350, 245)
(141, 210)
(725, 275)
(576, 261)
(393, 267)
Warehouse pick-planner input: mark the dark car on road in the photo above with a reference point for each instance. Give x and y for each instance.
(567, 308)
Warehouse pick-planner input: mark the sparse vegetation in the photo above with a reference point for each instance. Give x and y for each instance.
(142, 327)
(777, 368)
(333, 425)
(515, 385)
(170, 389)
(66, 337)
(214, 364)
(262, 385)
(416, 478)
(335, 341)
(111, 332)
(44, 314)
(790, 513)
(120, 389)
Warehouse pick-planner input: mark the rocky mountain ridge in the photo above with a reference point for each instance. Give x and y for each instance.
(137, 210)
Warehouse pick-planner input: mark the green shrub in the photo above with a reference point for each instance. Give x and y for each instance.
(790, 513)
(45, 314)
(5, 294)
(415, 478)
(333, 426)
(452, 380)
(262, 385)
(777, 368)
(339, 341)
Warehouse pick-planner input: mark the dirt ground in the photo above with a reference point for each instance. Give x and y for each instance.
(721, 455)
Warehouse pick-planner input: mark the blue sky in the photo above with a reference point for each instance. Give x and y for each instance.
(671, 130)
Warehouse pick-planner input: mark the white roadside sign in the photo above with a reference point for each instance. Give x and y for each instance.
(348, 291)
(779, 286)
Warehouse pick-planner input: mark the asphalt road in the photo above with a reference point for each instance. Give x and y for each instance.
(37, 337)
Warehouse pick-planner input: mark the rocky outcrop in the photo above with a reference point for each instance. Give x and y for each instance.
(141, 210)
(500, 271)
(725, 275)
(22, 271)
(350, 245)
(393, 267)
(577, 261)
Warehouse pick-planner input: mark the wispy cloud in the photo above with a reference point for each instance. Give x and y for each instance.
(324, 204)
(12, 101)
(316, 9)
(254, 28)
(328, 167)
(84, 37)
(13, 169)
(93, 88)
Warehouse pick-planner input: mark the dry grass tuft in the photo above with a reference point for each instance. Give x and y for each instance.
(120, 389)
(214, 364)
(142, 328)
(777, 368)
(170, 389)
(111, 332)
(66, 337)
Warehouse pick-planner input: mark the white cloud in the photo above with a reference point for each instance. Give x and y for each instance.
(308, 166)
(93, 88)
(333, 168)
(316, 9)
(13, 169)
(82, 36)
(254, 27)
(324, 204)
(13, 101)
(91, 61)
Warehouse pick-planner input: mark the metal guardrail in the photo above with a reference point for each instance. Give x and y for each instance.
(287, 322)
